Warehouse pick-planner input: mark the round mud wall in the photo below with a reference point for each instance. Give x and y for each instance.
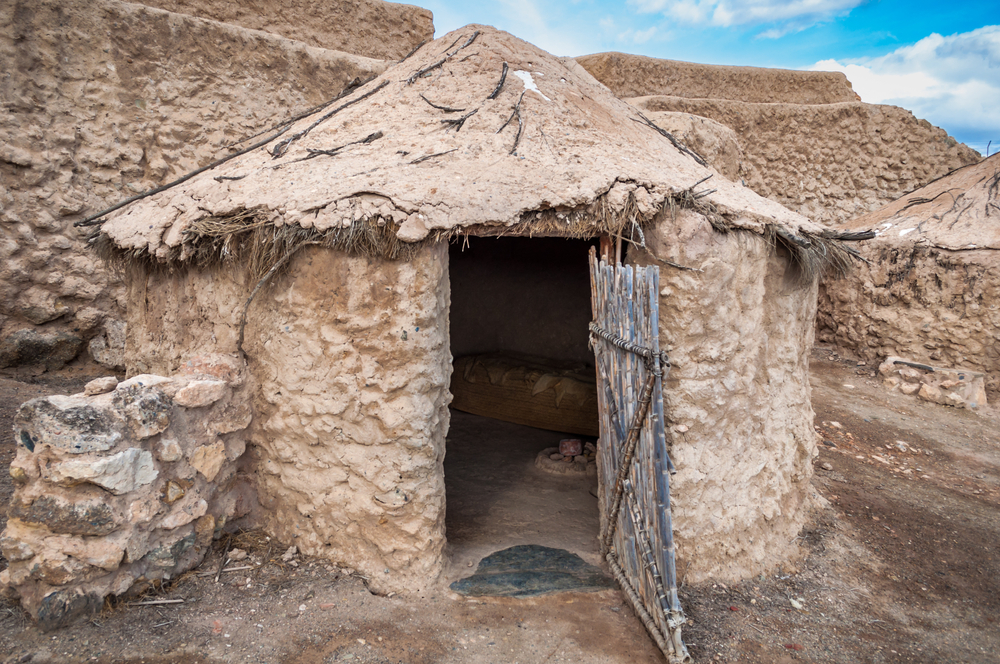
(349, 367)
(737, 399)
(352, 364)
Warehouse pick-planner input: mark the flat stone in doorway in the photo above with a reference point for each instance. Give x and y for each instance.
(528, 570)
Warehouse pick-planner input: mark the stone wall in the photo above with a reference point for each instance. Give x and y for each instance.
(638, 76)
(105, 99)
(737, 399)
(124, 484)
(374, 29)
(829, 162)
(942, 385)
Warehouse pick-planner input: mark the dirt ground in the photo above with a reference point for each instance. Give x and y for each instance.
(900, 567)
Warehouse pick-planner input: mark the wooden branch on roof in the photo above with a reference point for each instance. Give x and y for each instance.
(503, 77)
(458, 122)
(512, 114)
(282, 147)
(431, 156)
(415, 49)
(333, 152)
(516, 113)
(520, 129)
(443, 60)
(348, 89)
(847, 236)
(96, 219)
(670, 137)
(792, 237)
(446, 109)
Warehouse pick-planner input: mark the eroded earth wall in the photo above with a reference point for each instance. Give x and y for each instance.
(737, 398)
(829, 162)
(807, 140)
(920, 302)
(352, 362)
(638, 76)
(382, 30)
(101, 100)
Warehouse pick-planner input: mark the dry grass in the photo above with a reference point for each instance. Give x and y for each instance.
(250, 238)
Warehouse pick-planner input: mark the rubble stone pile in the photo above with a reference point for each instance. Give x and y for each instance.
(122, 485)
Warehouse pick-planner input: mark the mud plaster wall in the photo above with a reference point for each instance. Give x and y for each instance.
(737, 399)
(105, 99)
(186, 321)
(352, 362)
(919, 302)
(347, 439)
(637, 75)
(829, 162)
(175, 316)
(522, 295)
(383, 30)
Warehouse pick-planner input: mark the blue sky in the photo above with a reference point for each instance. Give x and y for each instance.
(940, 60)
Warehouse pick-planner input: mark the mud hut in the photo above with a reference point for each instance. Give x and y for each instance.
(931, 287)
(444, 209)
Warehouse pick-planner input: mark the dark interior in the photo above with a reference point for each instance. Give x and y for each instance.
(529, 296)
(526, 296)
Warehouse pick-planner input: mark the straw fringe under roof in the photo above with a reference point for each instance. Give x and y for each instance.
(476, 133)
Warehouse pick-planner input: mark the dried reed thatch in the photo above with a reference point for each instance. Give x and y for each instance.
(475, 133)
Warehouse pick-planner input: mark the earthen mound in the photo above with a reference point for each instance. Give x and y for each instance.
(931, 289)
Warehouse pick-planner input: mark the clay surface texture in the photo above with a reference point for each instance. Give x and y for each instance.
(930, 292)
(371, 28)
(106, 99)
(637, 76)
(351, 362)
(829, 162)
(737, 398)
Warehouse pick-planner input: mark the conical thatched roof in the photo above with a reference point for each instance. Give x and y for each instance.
(958, 211)
(476, 132)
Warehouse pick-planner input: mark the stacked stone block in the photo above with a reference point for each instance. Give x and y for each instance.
(121, 485)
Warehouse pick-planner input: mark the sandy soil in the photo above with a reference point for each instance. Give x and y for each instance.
(901, 567)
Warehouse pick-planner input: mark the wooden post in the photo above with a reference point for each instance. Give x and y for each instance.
(606, 248)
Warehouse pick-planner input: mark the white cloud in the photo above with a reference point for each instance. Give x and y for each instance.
(726, 13)
(953, 81)
(638, 36)
(530, 20)
(530, 24)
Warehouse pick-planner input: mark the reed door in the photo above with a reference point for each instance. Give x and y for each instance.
(633, 465)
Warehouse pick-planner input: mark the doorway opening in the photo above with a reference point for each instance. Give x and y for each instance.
(523, 381)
